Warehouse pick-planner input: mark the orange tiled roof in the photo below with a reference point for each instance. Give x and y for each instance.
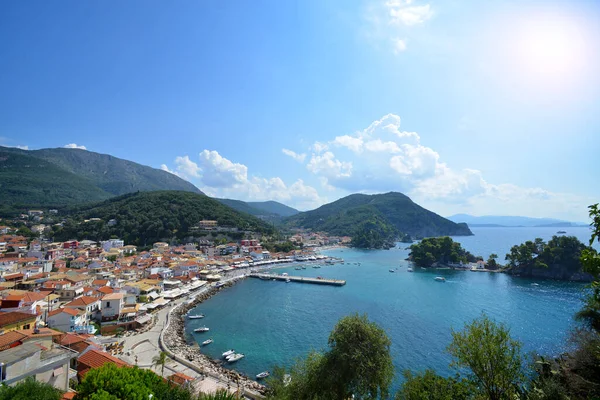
(95, 359)
(13, 317)
(105, 290)
(69, 311)
(82, 301)
(9, 338)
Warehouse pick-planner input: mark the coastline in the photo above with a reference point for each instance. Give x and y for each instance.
(175, 341)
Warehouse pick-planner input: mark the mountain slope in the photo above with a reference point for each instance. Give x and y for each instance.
(29, 181)
(346, 215)
(497, 220)
(274, 207)
(143, 218)
(242, 206)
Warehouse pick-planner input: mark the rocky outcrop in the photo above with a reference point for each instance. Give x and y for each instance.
(556, 272)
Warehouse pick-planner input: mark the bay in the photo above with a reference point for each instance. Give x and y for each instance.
(273, 323)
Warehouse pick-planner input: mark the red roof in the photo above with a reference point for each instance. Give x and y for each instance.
(14, 317)
(95, 359)
(105, 290)
(69, 311)
(82, 301)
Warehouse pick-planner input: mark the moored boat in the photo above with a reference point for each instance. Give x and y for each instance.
(409, 269)
(262, 375)
(440, 279)
(234, 357)
(202, 329)
(208, 341)
(197, 316)
(228, 353)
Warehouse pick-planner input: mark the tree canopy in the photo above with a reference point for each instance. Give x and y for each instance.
(29, 389)
(441, 250)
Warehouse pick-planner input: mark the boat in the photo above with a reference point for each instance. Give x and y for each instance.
(203, 329)
(316, 266)
(561, 232)
(535, 284)
(219, 284)
(409, 269)
(262, 375)
(440, 279)
(197, 316)
(235, 357)
(287, 280)
(303, 267)
(228, 353)
(392, 270)
(209, 341)
(297, 268)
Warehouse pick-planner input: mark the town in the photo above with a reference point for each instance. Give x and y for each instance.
(67, 307)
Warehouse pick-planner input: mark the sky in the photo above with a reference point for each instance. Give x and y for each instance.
(486, 108)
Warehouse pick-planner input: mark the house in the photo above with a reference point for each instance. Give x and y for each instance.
(45, 364)
(112, 244)
(111, 307)
(79, 263)
(92, 358)
(90, 305)
(207, 224)
(13, 320)
(69, 320)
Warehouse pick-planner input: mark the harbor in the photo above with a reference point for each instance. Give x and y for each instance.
(299, 279)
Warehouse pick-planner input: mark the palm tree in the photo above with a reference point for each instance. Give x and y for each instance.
(220, 394)
(160, 360)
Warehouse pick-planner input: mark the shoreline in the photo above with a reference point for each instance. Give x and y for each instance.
(176, 342)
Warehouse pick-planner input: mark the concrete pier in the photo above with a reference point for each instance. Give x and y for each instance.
(300, 279)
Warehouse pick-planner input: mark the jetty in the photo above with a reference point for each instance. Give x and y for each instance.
(300, 279)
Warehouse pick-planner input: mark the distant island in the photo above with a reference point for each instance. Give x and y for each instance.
(376, 221)
(493, 221)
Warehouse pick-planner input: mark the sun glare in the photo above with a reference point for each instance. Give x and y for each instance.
(551, 47)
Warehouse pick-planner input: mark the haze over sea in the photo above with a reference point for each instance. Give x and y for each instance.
(273, 323)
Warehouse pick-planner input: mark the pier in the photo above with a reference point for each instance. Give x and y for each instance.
(300, 279)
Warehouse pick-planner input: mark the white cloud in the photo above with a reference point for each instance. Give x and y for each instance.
(22, 147)
(218, 176)
(319, 147)
(404, 12)
(399, 45)
(298, 157)
(327, 165)
(353, 143)
(74, 146)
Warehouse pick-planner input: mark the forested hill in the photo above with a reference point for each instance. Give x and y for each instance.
(96, 177)
(394, 210)
(271, 211)
(274, 207)
(147, 217)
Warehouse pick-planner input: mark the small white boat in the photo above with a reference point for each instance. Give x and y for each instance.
(203, 329)
(219, 284)
(392, 270)
(440, 279)
(197, 316)
(297, 269)
(287, 280)
(262, 375)
(409, 269)
(235, 357)
(535, 284)
(228, 353)
(209, 341)
(303, 267)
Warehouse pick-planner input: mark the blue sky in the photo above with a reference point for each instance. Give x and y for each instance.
(478, 107)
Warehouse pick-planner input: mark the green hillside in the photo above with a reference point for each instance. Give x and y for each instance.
(242, 206)
(147, 217)
(49, 177)
(274, 207)
(27, 181)
(355, 215)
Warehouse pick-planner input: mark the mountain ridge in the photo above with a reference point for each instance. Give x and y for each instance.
(511, 221)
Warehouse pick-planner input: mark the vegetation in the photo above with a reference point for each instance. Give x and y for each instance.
(557, 259)
(110, 382)
(57, 177)
(146, 217)
(374, 234)
(391, 212)
(357, 363)
(29, 389)
(430, 386)
(220, 394)
(442, 250)
(159, 361)
(270, 210)
(276, 247)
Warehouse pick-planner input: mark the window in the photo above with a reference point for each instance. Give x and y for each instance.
(108, 304)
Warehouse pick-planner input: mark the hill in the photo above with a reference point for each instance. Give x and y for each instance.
(274, 207)
(146, 217)
(389, 214)
(244, 207)
(29, 181)
(500, 221)
(98, 176)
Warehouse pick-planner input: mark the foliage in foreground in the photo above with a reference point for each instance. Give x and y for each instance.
(30, 389)
(110, 382)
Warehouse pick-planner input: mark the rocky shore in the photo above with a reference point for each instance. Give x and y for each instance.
(174, 339)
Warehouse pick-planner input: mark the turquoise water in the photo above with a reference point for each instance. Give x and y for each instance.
(273, 323)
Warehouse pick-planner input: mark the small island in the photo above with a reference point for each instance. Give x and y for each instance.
(439, 252)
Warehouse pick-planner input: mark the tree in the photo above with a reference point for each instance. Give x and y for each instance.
(220, 394)
(30, 389)
(590, 314)
(358, 363)
(430, 386)
(159, 361)
(110, 382)
(493, 358)
(491, 262)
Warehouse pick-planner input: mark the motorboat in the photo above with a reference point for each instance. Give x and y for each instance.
(209, 341)
(297, 269)
(219, 284)
(228, 353)
(409, 269)
(392, 270)
(202, 329)
(535, 284)
(316, 266)
(303, 267)
(440, 279)
(235, 357)
(197, 316)
(262, 375)
(287, 280)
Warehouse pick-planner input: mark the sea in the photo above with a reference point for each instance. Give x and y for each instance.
(274, 323)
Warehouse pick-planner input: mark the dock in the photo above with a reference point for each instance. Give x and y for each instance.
(300, 279)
